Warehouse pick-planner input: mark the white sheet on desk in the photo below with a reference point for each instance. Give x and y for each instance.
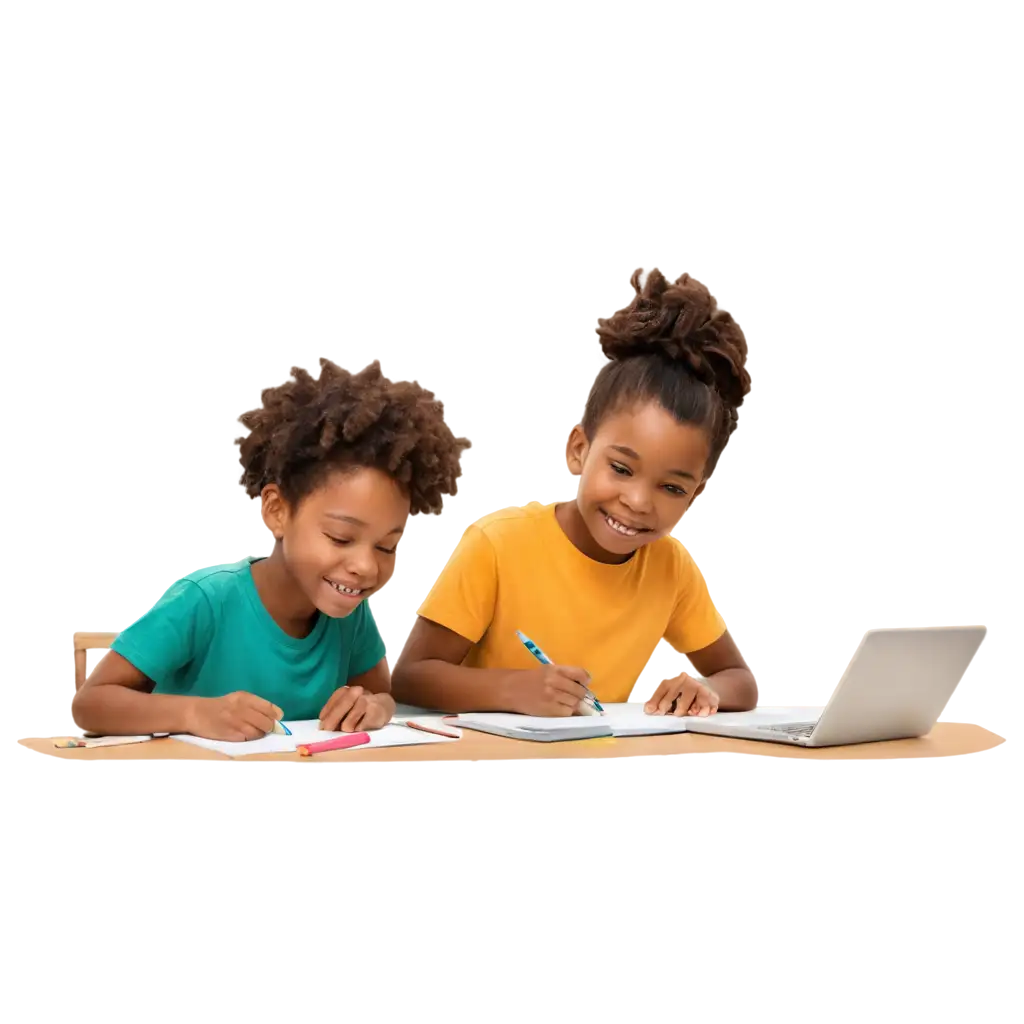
(536, 723)
(620, 719)
(310, 732)
(632, 720)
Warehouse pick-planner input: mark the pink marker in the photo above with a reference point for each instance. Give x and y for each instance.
(337, 743)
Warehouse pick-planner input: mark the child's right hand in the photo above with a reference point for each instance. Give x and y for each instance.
(238, 716)
(554, 691)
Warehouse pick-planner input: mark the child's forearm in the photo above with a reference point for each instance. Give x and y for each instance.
(113, 710)
(736, 689)
(432, 683)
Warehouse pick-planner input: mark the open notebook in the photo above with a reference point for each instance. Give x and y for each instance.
(394, 734)
(618, 720)
(310, 732)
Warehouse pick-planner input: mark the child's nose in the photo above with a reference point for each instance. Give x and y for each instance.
(637, 498)
(361, 563)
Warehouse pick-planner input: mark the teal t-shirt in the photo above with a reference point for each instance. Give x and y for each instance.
(210, 635)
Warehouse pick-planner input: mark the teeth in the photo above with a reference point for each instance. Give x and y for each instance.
(621, 527)
(343, 590)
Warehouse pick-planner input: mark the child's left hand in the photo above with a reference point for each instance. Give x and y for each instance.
(683, 695)
(352, 708)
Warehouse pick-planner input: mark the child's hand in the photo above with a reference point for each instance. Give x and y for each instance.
(351, 708)
(683, 695)
(554, 691)
(238, 716)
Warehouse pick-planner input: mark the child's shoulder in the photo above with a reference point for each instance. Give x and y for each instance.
(674, 559)
(212, 579)
(228, 574)
(198, 591)
(518, 521)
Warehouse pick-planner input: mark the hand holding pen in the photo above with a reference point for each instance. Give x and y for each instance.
(560, 688)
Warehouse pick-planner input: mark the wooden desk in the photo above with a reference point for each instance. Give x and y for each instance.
(945, 740)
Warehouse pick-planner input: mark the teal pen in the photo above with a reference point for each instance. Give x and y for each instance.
(545, 660)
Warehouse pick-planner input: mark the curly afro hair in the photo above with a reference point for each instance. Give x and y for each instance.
(672, 345)
(306, 428)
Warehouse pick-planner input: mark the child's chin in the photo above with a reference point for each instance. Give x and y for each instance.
(333, 611)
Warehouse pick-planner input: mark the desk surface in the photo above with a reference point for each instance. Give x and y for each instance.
(945, 740)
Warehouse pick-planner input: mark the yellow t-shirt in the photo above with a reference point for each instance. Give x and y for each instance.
(517, 570)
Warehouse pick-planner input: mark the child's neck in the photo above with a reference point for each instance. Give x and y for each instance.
(567, 515)
(281, 596)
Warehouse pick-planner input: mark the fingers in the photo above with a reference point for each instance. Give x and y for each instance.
(565, 699)
(377, 714)
(273, 712)
(556, 709)
(356, 713)
(256, 713)
(686, 688)
(570, 681)
(254, 719)
(705, 702)
(238, 730)
(573, 672)
(698, 701)
(667, 688)
(338, 707)
(249, 717)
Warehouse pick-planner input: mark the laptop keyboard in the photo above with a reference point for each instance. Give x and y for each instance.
(794, 729)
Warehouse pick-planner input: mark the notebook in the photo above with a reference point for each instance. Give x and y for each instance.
(619, 720)
(310, 732)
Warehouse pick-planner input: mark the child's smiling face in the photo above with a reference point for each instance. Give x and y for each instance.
(339, 542)
(638, 476)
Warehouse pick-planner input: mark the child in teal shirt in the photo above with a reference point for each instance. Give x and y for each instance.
(339, 464)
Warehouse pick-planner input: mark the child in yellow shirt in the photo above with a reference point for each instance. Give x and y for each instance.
(598, 581)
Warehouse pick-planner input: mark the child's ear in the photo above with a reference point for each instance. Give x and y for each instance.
(274, 509)
(576, 450)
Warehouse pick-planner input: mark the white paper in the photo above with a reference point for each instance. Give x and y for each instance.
(631, 720)
(310, 732)
(620, 719)
(510, 720)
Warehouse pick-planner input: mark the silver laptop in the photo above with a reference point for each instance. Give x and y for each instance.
(896, 686)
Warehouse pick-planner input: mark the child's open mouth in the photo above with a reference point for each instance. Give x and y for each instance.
(342, 589)
(624, 529)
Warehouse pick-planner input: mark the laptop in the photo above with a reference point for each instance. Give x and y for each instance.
(895, 687)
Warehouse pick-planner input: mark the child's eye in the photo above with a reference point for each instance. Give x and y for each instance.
(337, 540)
(388, 551)
(672, 489)
(620, 469)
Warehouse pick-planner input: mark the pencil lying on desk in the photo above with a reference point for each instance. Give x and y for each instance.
(434, 730)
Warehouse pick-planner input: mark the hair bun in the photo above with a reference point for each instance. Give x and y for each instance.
(681, 321)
